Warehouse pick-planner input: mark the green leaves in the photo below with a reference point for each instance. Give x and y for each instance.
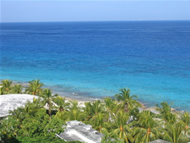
(47, 98)
(32, 126)
(6, 86)
(9, 129)
(17, 88)
(117, 118)
(55, 125)
(61, 102)
(165, 111)
(185, 118)
(34, 87)
(75, 112)
(173, 132)
(128, 103)
(146, 129)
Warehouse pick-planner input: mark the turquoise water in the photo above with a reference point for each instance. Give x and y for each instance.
(96, 59)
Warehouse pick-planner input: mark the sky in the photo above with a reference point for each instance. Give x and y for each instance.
(93, 10)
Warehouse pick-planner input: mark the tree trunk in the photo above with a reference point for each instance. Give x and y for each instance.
(50, 111)
(61, 109)
(50, 108)
(126, 108)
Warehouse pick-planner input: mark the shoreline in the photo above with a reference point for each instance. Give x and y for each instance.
(143, 107)
(73, 96)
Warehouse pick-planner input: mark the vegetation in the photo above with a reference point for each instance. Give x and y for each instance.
(35, 87)
(6, 86)
(47, 98)
(117, 118)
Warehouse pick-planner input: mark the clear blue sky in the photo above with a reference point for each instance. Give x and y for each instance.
(37, 11)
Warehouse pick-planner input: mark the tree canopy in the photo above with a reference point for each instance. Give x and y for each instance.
(119, 119)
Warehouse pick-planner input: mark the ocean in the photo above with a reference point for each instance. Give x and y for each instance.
(96, 59)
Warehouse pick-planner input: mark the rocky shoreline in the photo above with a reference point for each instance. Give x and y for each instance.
(71, 96)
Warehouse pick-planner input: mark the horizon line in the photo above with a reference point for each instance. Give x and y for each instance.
(88, 21)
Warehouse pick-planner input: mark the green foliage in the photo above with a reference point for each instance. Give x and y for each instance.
(107, 139)
(75, 112)
(47, 98)
(63, 105)
(42, 140)
(9, 129)
(93, 109)
(36, 125)
(185, 119)
(63, 108)
(121, 129)
(118, 119)
(8, 139)
(110, 104)
(17, 88)
(174, 132)
(128, 103)
(6, 86)
(1, 90)
(165, 112)
(147, 129)
(35, 87)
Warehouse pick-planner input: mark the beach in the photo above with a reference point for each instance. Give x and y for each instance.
(81, 99)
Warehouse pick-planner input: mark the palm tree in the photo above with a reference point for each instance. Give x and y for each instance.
(92, 109)
(128, 101)
(122, 130)
(31, 108)
(185, 119)
(6, 86)
(87, 110)
(173, 132)
(165, 111)
(75, 112)
(63, 105)
(110, 104)
(97, 107)
(1, 90)
(111, 108)
(47, 98)
(96, 115)
(34, 87)
(107, 137)
(164, 108)
(147, 129)
(38, 103)
(17, 114)
(17, 88)
(99, 121)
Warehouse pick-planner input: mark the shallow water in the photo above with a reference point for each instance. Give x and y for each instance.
(96, 59)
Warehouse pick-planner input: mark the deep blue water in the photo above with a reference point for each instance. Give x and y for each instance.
(98, 58)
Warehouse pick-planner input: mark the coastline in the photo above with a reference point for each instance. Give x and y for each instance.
(143, 107)
(81, 99)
